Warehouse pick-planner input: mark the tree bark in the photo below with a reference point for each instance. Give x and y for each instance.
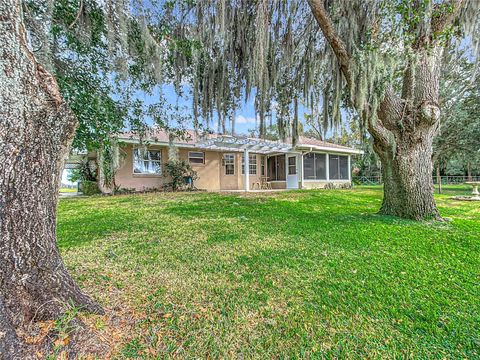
(407, 178)
(36, 129)
(469, 172)
(439, 180)
(404, 125)
(403, 136)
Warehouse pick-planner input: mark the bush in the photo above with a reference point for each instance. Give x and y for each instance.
(89, 187)
(177, 171)
(85, 172)
(330, 186)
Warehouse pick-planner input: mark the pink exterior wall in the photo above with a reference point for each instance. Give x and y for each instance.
(125, 178)
(211, 174)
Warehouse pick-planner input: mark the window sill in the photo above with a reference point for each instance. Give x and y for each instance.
(142, 175)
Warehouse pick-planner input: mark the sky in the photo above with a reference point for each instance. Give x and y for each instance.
(245, 115)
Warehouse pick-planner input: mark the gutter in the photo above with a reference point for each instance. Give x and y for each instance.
(332, 149)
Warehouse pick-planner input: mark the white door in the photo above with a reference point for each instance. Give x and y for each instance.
(292, 172)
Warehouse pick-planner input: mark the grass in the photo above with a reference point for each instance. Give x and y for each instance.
(68, 190)
(302, 274)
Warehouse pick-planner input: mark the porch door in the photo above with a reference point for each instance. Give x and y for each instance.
(276, 168)
(292, 172)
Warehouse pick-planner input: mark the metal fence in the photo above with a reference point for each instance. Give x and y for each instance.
(446, 180)
(455, 179)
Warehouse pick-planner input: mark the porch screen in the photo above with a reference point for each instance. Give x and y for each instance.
(314, 166)
(338, 167)
(276, 168)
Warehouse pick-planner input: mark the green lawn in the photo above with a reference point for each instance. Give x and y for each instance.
(302, 274)
(68, 190)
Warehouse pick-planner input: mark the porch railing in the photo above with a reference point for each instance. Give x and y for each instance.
(446, 180)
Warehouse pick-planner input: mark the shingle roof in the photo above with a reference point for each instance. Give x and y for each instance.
(192, 138)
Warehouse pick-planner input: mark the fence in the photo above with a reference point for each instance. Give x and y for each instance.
(446, 180)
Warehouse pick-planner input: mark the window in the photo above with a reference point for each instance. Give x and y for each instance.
(252, 164)
(314, 166)
(229, 163)
(147, 161)
(276, 168)
(292, 165)
(338, 167)
(262, 165)
(196, 157)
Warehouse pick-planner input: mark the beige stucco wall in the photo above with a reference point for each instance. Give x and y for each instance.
(125, 178)
(321, 184)
(211, 175)
(279, 184)
(208, 175)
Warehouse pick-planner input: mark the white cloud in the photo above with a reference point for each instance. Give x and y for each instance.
(240, 119)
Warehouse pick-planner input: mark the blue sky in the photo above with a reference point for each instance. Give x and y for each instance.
(245, 115)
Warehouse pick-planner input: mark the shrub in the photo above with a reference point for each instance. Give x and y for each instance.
(85, 172)
(177, 171)
(330, 186)
(89, 187)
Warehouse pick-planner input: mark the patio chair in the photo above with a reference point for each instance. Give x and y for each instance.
(257, 185)
(265, 184)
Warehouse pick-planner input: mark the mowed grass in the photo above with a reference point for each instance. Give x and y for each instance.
(68, 190)
(301, 274)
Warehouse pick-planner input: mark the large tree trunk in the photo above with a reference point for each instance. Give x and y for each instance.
(404, 125)
(407, 178)
(403, 133)
(36, 129)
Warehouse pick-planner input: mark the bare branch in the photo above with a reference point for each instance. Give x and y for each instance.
(80, 10)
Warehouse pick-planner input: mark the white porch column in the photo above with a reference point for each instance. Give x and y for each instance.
(327, 166)
(246, 177)
(349, 169)
(286, 169)
(301, 170)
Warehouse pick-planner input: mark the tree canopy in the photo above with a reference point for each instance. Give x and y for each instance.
(273, 50)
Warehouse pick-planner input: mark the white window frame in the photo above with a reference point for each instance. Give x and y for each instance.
(147, 159)
(228, 162)
(252, 164)
(196, 157)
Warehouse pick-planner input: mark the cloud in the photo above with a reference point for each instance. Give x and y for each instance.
(240, 119)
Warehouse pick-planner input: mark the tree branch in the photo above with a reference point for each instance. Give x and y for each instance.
(384, 124)
(80, 10)
(338, 46)
(439, 23)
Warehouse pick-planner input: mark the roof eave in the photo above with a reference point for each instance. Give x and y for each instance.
(330, 149)
(299, 147)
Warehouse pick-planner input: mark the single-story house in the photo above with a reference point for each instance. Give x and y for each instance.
(220, 161)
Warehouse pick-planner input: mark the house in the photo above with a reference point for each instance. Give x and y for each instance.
(220, 161)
